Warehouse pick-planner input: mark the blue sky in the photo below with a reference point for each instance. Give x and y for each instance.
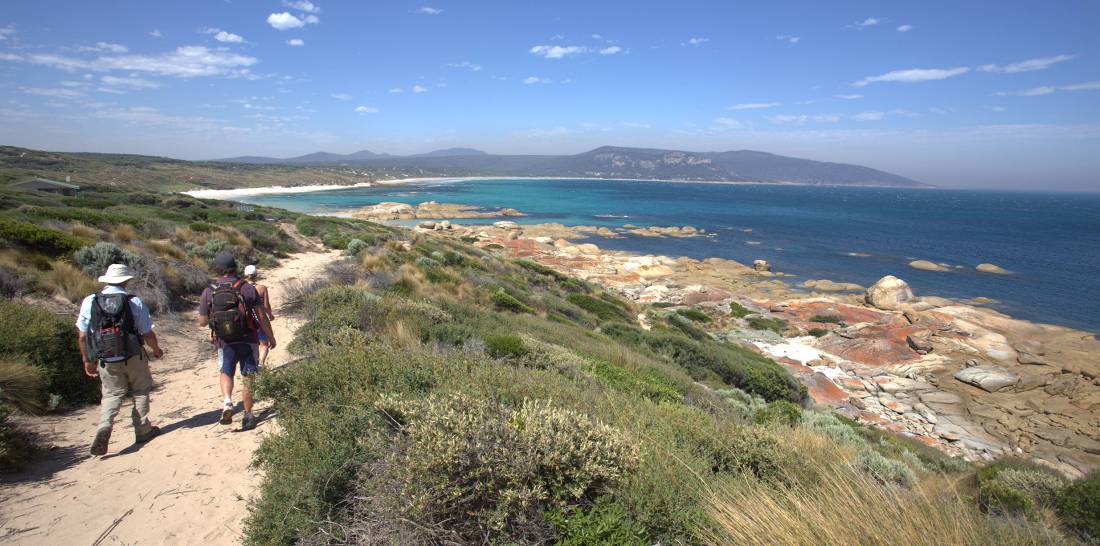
(968, 94)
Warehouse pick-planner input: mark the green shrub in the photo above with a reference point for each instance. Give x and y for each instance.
(46, 341)
(605, 523)
(355, 246)
(832, 426)
(738, 311)
(887, 471)
(95, 259)
(818, 332)
(780, 412)
(693, 314)
(536, 268)
(603, 310)
(776, 325)
(17, 447)
(758, 450)
(505, 346)
(646, 383)
(745, 405)
(507, 302)
(1015, 486)
(684, 325)
(1079, 506)
(826, 319)
(330, 311)
(480, 471)
(49, 241)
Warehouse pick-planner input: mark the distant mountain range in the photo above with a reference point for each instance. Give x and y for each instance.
(611, 162)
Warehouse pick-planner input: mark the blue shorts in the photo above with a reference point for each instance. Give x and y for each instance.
(234, 353)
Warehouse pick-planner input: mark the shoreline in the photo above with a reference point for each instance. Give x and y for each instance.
(286, 190)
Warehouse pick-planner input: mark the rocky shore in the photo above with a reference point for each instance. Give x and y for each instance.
(428, 210)
(958, 376)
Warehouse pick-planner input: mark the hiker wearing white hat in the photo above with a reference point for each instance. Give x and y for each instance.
(114, 330)
(252, 275)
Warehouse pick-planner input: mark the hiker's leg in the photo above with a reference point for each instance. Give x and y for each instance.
(228, 367)
(112, 379)
(141, 382)
(248, 368)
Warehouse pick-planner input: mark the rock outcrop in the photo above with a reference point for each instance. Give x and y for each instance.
(889, 293)
(925, 265)
(991, 268)
(761, 265)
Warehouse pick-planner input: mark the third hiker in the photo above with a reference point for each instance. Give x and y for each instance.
(233, 310)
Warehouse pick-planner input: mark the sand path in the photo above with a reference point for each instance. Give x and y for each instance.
(190, 486)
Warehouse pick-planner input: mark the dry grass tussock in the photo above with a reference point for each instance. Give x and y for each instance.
(68, 281)
(843, 505)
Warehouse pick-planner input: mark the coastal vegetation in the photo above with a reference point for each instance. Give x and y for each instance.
(447, 393)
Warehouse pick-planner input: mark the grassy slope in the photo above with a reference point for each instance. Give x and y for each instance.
(451, 394)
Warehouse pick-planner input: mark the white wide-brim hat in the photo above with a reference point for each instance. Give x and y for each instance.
(116, 274)
(249, 270)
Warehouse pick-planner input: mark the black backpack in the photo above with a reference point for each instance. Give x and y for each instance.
(229, 319)
(113, 334)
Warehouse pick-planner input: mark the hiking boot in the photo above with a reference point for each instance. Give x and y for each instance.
(248, 422)
(153, 433)
(227, 416)
(99, 445)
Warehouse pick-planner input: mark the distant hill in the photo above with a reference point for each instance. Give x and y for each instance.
(617, 162)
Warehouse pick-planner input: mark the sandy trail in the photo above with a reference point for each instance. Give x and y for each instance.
(189, 486)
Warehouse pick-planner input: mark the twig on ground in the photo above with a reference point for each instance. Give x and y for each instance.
(107, 532)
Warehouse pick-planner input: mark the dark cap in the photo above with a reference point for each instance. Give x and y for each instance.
(225, 260)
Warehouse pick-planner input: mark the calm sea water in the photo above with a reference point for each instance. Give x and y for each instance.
(1051, 242)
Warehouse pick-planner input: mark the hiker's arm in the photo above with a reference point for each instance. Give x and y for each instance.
(268, 332)
(267, 305)
(151, 340)
(202, 320)
(89, 365)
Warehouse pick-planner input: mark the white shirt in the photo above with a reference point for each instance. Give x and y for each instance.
(143, 323)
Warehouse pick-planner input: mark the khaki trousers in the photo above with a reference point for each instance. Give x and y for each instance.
(114, 378)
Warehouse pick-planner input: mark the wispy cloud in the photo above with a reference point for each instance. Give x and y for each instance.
(223, 36)
(788, 38)
(1029, 65)
(914, 75)
(396, 90)
(136, 83)
(557, 52)
(63, 93)
(156, 33)
(905, 28)
(286, 21)
(341, 96)
(419, 89)
(869, 116)
(303, 5)
(105, 47)
(637, 125)
(529, 80)
(850, 96)
(1049, 89)
(695, 42)
(802, 119)
(466, 65)
(869, 22)
(728, 123)
(428, 10)
(296, 42)
(183, 62)
(366, 109)
(753, 105)
(611, 50)
(7, 32)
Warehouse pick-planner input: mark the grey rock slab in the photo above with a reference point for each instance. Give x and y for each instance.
(988, 378)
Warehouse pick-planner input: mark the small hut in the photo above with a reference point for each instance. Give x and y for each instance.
(51, 186)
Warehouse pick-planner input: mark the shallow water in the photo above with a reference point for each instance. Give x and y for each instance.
(1050, 242)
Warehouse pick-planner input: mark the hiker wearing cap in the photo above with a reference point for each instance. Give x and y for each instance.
(251, 274)
(233, 310)
(114, 329)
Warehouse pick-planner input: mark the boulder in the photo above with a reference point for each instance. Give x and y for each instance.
(761, 265)
(426, 225)
(506, 224)
(925, 265)
(988, 378)
(446, 224)
(825, 285)
(919, 344)
(991, 268)
(889, 293)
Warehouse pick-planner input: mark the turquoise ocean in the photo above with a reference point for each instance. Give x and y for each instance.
(1049, 241)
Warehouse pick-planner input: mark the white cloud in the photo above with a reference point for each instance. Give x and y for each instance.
(223, 36)
(396, 90)
(869, 116)
(467, 65)
(1026, 66)
(284, 21)
(156, 33)
(753, 105)
(913, 75)
(53, 93)
(183, 62)
(998, 108)
(789, 38)
(1048, 89)
(611, 50)
(636, 125)
(366, 109)
(303, 5)
(557, 52)
(428, 10)
(802, 119)
(1087, 86)
(105, 47)
(296, 42)
(312, 19)
(728, 123)
(151, 116)
(905, 28)
(534, 79)
(852, 96)
(419, 89)
(696, 41)
(7, 31)
(136, 83)
(869, 22)
(341, 96)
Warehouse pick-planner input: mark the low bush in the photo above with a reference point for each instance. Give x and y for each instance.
(22, 386)
(693, 314)
(738, 311)
(826, 319)
(776, 325)
(818, 332)
(355, 246)
(17, 447)
(95, 259)
(646, 383)
(1015, 486)
(603, 310)
(1079, 507)
(684, 325)
(44, 340)
(505, 346)
(506, 302)
(605, 523)
(887, 471)
(745, 405)
(470, 470)
(31, 236)
(331, 310)
(780, 412)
